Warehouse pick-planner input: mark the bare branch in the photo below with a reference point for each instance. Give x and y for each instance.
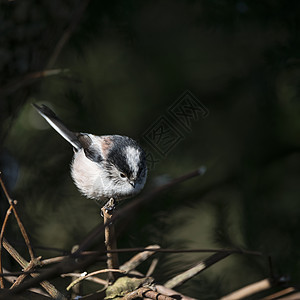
(8, 212)
(24, 264)
(110, 237)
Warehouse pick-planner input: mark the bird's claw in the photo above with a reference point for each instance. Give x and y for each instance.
(109, 206)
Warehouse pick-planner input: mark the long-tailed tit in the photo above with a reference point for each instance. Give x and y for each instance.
(103, 167)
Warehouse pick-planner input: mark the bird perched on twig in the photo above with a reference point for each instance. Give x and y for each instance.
(103, 167)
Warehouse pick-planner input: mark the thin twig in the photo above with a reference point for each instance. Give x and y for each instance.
(20, 224)
(8, 212)
(92, 274)
(94, 279)
(249, 290)
(24, 233)
(138, 258)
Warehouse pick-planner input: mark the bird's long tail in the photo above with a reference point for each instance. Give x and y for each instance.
(58, 125)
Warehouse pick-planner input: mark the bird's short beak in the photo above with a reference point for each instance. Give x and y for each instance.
(132, 183)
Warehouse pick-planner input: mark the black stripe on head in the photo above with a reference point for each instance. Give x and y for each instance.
(117, 155)
(142, 164)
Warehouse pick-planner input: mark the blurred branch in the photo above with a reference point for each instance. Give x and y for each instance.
(150, 249)
(76, 288)
(170, 250)
(183, 277)
(281, 293)
(152, 267)
(27, 80)
(67, 34)
(295, 296)
(249, 290)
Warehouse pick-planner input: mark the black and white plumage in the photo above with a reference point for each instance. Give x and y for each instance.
(103, 167)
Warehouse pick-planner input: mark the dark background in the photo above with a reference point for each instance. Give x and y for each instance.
(120, 68)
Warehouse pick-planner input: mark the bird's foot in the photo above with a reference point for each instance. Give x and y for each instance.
(109, 206)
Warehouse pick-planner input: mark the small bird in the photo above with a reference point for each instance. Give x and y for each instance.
(103, 167)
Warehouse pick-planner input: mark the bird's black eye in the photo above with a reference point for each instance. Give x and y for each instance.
(122, 175)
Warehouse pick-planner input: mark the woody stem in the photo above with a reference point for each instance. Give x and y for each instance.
(110, 238)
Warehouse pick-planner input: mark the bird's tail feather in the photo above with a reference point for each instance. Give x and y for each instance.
(58, 125)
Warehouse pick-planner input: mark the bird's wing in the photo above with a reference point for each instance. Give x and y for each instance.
(91, 151)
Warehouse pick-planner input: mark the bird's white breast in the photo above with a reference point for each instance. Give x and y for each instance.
(88, 176)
